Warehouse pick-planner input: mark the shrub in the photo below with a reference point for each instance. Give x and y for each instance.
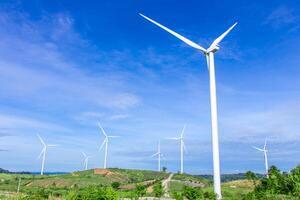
(277, 186)
(92, 192)
(115, 185)
(177, 195)
(158, 189)
(251, 177)
(192, 193)
(294, 180)
(140, 190)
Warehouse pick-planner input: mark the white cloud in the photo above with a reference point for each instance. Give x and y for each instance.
(42, 68)
(281, 16)
(119, 117)
(17, 123)
(279, 124)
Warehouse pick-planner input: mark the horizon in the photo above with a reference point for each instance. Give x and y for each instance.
(65, 66)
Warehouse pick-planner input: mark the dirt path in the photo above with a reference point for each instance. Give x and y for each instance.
(166, 184)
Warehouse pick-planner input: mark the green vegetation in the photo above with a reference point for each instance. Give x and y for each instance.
(92, 192)
(158, 190)
(230, 177)
(191, 178)
(120, 183)
(140, 190)
(277, 186)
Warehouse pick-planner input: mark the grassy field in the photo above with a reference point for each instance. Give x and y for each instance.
(231, 190)
(9, 182)
(58, 186)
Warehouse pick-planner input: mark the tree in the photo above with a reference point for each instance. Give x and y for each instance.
(294, 180)
(158, 189)
(164, 169)
(251, 177)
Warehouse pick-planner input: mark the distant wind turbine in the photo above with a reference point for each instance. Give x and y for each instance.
(159, 155)
(86, 160)
(43, 152)
(209, 54)
(265, 150)
(182, 147)
(105, 143)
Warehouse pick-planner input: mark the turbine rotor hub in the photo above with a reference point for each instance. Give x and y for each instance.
(213, 49)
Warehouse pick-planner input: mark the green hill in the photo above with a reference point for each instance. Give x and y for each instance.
(79, 179)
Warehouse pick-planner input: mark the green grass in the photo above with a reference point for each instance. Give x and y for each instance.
(191, 178)
(80, 179)
(59, 185)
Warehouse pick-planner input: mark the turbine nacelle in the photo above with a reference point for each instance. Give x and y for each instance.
(213, 49)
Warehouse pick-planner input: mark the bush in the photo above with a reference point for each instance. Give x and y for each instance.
(92, 192)
(251, 177)
(294, 180)
(277, 183)
(115, 185)
(140, 190)
(177, 195)
(277, 186)
(192, 193)
(158, 189)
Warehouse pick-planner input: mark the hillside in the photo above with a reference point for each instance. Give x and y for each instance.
(79, 179)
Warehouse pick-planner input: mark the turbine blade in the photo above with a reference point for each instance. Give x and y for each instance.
(221, 37)
(185, 40)
(184, 148)
(42, 141)
(114, 136)
(104, 141)
(182, 132)
(259, 149)
(173, 138)
(40, 155)
(265, 145)
(84, 155)
(103, 132)
(155, 154)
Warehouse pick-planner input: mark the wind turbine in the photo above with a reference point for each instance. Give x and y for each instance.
(209, 54)
(105, 142)
(86, 160)
(159, 155)
(264, 149)
(182, 147)
(43, 152)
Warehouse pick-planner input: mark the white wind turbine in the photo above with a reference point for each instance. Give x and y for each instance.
(182, 147)
(159, 155)
(86, 160)
(105, 142)
(43, 152)
(265, 150)
(209, 54)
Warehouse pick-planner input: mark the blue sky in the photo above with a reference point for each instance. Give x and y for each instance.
(65, 65)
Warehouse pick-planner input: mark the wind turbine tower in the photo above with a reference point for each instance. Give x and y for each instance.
(209, 54)
(105, 143)
(159, 155)
(265, 151)
(86, 160)
(182, 147)
(43, 152)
